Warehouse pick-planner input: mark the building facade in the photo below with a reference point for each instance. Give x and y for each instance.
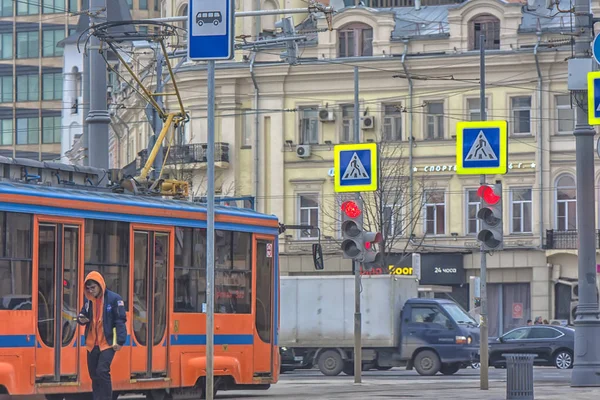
(419, 75)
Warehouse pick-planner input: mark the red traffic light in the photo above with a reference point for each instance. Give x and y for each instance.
(488, 195)
(351, 209)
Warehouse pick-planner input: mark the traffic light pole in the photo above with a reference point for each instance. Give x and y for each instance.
(483, 327)
(587, 323)
(355, 264)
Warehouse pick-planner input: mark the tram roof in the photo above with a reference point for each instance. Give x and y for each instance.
(119, 199)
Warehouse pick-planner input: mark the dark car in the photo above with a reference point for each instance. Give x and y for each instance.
(553, 345)
(289, 361)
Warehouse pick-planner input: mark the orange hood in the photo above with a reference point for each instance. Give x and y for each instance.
(95, 276)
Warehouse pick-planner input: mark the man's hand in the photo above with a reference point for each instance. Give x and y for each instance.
(116, 347)
(83, 319)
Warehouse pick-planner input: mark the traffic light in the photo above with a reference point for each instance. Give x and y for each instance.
(287, 27)
(373, 256)
(491, 234)
(352, 229)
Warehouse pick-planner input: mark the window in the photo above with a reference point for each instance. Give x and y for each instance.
(355, 41)
(28, 88)
(309, 125)
(543, 333)
(143, 29)
(28, 130)
(6, 89)
(15, 261)
(475, 109)
(73, 6)
(53, 6)
(347, 124)
(428, 315)
(50, 39)
(435, 120)
(28, 44)
(28, 7)
(107, 251)
(309, 213)
(130, 4)
(392, 122)
(156, 5)
(522, 216)
(566, 203)
(247, 124)
(565, 114)
(143, 4)
(6, 46)
(435, 212)
(488, 26)
(392, 220)
(473, 204)
(233, 272)
(52, 86)
(6, 134)
(521, 114)
(6, 8)
(517, 334)
(51, 129)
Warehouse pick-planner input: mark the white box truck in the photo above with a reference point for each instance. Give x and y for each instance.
(398, 329)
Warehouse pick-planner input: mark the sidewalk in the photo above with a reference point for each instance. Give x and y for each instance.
(372, 390)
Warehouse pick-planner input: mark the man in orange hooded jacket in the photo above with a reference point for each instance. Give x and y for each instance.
(103, 315)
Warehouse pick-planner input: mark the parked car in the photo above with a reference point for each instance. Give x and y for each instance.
(289, 361)
(552, 344)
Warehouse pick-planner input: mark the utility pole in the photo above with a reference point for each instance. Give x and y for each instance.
(356, 265)
(586, 370)
(85, 109)
(483, 327)
(98, 116)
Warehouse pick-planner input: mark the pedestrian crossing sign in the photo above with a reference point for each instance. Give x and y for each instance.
(355, 167)
(481, 148)
(594, 97)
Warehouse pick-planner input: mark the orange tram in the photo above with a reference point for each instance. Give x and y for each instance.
(152, 252)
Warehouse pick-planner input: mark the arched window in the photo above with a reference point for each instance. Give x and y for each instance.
(183, 12)
(487, 25)
(267, 22)
(566, 203)
(355, 40)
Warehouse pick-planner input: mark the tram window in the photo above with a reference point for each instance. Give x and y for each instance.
(15, 261)
(233, 272)
(190, 270)
(107, 251)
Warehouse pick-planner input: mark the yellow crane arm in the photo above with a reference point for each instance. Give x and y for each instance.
(157, 145)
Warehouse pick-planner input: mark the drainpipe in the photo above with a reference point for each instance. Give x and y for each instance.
(540, 137)
(256, 128)
(410, 129)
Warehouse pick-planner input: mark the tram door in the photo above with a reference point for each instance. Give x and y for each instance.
(58, 289)
(263, 335)
(150, 300)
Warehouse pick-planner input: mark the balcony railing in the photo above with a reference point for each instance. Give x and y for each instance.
(182, 155)
(566, 240)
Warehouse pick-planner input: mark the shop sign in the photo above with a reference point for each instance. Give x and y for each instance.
(452, 168)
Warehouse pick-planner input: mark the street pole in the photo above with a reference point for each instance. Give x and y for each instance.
(483, 327)
(85, 109)
(98, 116)
(157, 121)
(210, 232)
(586, 370)
(356, 265)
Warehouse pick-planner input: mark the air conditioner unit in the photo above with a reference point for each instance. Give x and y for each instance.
(303, 150)
(326, 115)
(367, 122)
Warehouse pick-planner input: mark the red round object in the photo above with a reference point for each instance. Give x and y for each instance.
(487, 192)
(351, 209)
(368, 245)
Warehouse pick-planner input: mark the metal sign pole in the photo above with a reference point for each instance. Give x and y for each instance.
(210, 233)
(355, 264)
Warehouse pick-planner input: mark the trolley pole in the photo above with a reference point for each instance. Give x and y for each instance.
(356, 265)
(210, 233)
(586, 369)
(483, 327)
